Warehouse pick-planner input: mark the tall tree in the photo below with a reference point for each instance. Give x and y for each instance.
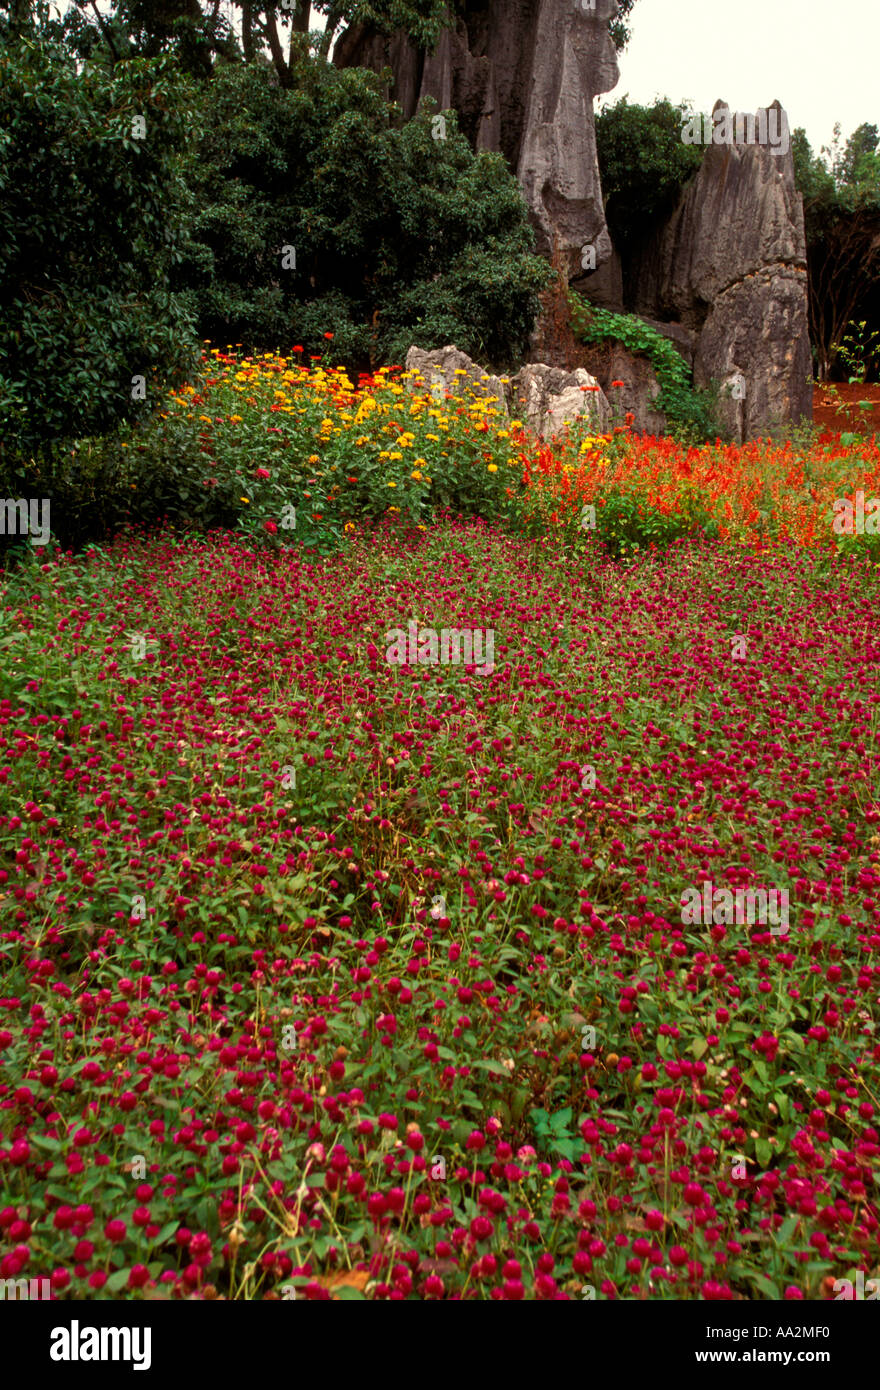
(91, 224)
(199, 35)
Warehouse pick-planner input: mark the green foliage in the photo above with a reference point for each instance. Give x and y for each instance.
(627, 523)
(644, 164)
(89, 231)
(683, 405)
(397, 236)
(618, 28)
(841, 193)
(198, 35)
(858, 349)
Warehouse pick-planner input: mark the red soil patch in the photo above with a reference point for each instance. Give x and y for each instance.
(835, 407)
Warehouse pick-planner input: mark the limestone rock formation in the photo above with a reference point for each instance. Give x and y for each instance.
(521, 75)
(550, 398)
(730, 265)
(610, 362)
(448, 369)
(545, 398)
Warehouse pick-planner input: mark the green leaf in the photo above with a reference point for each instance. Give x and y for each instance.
(166, 1232)
(488, 1065)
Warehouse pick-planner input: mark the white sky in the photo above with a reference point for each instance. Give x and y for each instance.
(818, 57)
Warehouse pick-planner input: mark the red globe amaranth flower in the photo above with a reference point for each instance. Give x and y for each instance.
(303, 1002)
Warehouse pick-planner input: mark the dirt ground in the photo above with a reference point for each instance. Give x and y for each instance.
(835, 408)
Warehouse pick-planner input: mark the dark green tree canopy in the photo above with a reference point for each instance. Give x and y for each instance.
(841, 192)
(643, 165)
(392, 235)
(199, 35)
(90, 228)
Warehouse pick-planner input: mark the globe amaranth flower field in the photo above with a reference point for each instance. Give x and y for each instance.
(326, 975)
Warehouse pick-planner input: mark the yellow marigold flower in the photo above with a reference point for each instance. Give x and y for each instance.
(417, 475)
(395, 456)
(516, 424)
(435, 437)
(493, 467)
(235, 419)
(314, 458)
(207, 419)
(245, 499)
(392, 485)
(503, 434)
(349, 526)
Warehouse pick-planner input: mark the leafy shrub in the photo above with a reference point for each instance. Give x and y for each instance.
(394, 236)
(89, 230)
(643, 165)
(626, 522)
(685, 407)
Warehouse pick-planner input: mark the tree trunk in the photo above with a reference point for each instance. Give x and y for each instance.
(283, 71)
(247, 31)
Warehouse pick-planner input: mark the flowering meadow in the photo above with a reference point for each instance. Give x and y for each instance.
(255, 435)
(325, 976)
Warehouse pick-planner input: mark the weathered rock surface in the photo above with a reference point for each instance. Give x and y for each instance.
(604, 285)
(730, 265)
(545, 398)
(681, 338)
(549, 398)
(612, 362)
(446, 369)
(521, 75)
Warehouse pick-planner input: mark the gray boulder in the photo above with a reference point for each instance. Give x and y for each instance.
(549, 398)
(448, 369)
(545, 398)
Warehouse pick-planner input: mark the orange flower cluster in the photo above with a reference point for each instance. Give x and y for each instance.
(750, 491)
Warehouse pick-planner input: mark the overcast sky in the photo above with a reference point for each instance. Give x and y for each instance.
(820, 58)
